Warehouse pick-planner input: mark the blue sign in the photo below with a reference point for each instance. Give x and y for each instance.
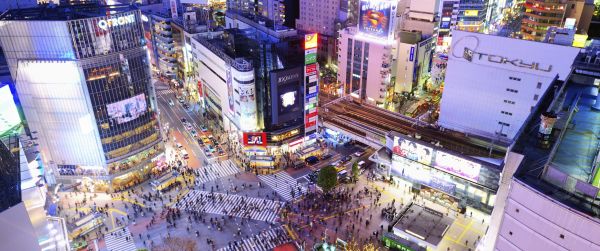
(412, 54)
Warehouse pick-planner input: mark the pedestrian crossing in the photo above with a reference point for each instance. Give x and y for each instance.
(215, 171)
(265, 240)
(165, 92)
(283, 184)
(120, 240)
(231, 205)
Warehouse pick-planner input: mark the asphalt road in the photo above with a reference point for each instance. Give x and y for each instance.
(172, 115)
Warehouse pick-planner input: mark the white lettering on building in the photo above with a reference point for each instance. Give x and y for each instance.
(116, 21)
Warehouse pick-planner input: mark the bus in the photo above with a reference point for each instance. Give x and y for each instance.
(165, 181)
(87, 224)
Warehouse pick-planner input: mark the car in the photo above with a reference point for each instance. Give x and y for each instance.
(326, 156)
(183, 120)
(171, 103)
(186, 106)
(178, 145)
(359, 153)
(312, 160)
(221, 153)
(181, 101)
(200, 142)
(185, 154)
(346, 159)
(203, 128)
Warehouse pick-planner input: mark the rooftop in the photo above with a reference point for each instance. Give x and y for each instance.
(65, 12)
(565, 169)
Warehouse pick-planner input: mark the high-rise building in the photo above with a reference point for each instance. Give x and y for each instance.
(539, 15)
(551, 200)
(497, 88)
(280, 12)
(97, 118)
(448, 19)
(365, 53)
(251, 80)
(318, 16)
(472, 15)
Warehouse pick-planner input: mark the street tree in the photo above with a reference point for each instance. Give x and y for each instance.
(327, 178)
(355, 171)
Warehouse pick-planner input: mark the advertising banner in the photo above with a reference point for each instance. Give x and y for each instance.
(376, 17)
(9, 115)
(230, 89)
(457, 166)
(311, 69)
(247, 100)
(413, 151)
(311, 41)
(310, 58)
(287, 94)
(127, 110)
(255, 139)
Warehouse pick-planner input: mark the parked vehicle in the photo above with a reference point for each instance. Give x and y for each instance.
(312, 160)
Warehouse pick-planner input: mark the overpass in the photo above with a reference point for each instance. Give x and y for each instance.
(369, 125)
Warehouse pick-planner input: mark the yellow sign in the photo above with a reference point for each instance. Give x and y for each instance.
(579, 40)
(311, 41)
(471, 13)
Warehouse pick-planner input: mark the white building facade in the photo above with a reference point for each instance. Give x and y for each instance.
(495, 87)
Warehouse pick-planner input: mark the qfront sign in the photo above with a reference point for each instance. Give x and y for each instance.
(116, 21)
(469, 55)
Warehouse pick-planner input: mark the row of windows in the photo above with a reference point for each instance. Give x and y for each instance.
(509, 102)
(514, 78)
(506, 113)
(503, 123)
(512, 90)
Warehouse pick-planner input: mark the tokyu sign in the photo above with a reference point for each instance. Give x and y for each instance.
(116, 21)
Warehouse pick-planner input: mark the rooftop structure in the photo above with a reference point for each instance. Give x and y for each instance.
(64, 12)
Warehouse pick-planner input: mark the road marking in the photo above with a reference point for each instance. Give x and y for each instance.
(128, 200)
(465, 230)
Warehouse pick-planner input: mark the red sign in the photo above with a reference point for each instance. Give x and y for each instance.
(310, 124)
(255, 139)
(200, 88)
(311, 69)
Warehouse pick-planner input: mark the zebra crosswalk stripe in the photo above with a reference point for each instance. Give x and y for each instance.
(283, 184)
(266, 240)
(117, 241)
(231, 204)
(215, 171)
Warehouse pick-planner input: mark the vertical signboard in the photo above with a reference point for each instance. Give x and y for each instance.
(311, 84)
(174, 13)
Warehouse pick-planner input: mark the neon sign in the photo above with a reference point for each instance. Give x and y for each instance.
(116, 21)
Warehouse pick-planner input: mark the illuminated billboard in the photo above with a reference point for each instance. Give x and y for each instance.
(376, 17)
(127, 110)
(413, 151)
(287, 95)
(457, 166)
(471, 13)
(311, 41)
(255, 139)
(9, 116)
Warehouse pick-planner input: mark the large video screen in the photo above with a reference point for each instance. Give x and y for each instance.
(9, 116)
(128, 109)
(375, 17)
(255, 139)
(286, 95)
(457, 166)
(413, 151)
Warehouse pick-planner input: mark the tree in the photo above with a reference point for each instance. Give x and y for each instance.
(355, 171)
(327, 178)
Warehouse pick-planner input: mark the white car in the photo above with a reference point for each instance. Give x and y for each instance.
(171, 103)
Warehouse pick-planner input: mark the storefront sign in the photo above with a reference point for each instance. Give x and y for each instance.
(116, 21)
(255, 139)
(285, 135)
(310, 58)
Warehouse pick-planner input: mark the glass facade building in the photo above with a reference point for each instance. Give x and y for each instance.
(10, 178)
(83, 75)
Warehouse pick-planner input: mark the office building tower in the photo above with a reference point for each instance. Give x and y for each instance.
(97, 118)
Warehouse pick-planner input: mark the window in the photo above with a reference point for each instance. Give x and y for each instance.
(539, 85)
(514, 78)
(536, 97)
(562, 236)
